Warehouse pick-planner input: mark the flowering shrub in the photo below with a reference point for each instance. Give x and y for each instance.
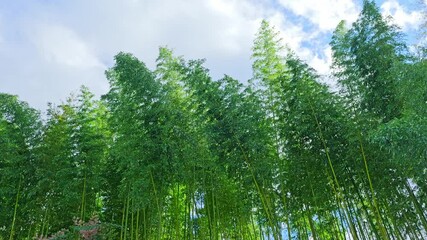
(93, 229)
(88, 230)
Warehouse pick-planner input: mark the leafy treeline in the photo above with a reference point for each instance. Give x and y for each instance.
(173, 154)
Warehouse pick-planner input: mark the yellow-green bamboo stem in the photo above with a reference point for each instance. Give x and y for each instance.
(145, 223)
(82, 207)
(158, 207)
(15, 210)
(417, 205)
(377, 210)
(176, 211)
(340, 197)
(132, 220)
(126, 218)
(263, 200)
(137, 225)
(44, 221)
(123, 220)
(311, 224)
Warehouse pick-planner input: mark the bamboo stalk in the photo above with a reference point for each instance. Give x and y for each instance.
(177, 214)
(377, 211)
(15, 210)
(126, 218)
(137, 225)
(345, 208)
(145, 223)
(122, 229)
(132, 220)
(263, 200)
(417, 205)
(159, 230)
(82, 206)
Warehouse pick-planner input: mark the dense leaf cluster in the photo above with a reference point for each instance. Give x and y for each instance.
(173, 154)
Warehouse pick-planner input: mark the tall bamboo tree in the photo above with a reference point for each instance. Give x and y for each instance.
(20, 127)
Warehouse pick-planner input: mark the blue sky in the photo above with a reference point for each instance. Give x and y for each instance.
(48, 48)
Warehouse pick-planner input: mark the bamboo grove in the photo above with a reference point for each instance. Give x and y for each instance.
(171, 153)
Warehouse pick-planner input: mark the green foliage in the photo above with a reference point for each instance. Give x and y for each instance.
(19, 134)
(71, 159)
(266, 53)
(171, 153)
(365, 57)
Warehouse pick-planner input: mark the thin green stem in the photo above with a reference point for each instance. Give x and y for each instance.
(12, 228)
(263, 200)
(82, 208)
(377, 210)
(158, 206)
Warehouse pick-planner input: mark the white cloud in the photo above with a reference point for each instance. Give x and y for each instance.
(403, 18)
(61, 45)
(294, 37)
(214, 29)
(51, 48)
(326, 14)
(238, 21)
(69, 43)
(322, 63)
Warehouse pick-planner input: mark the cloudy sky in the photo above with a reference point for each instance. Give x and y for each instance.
(48, 48)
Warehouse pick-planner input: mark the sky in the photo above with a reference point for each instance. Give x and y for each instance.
(49, 48)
